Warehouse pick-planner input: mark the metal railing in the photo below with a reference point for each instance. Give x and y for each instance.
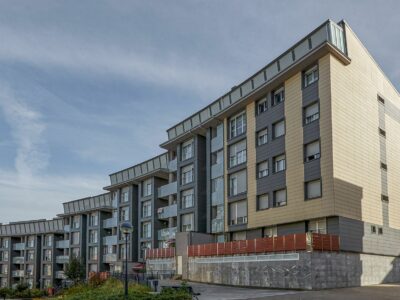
(167, 233)
(110, 257)
(62, 259)
(18, 260)
(109, 223)
(167, 211)
(110, 240)
(62, 244)
(19, 246)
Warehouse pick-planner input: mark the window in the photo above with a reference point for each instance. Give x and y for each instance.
(262, 202)
(238, 213)
(317, 226)
(313, 189)
(380, 230)
(4, 255)
(382, 132)
(278, 96)
(262, 169)
(93, 236)
(48, 240)
(187, 222)
(262, 106)
(146, 209)
(4, 243)
(47, 255)
(239, 236)
(93, 253)
(31, 255)
(187, 174)
(93, 219)
(187, 149)
(217, 157)
(124, 214)
(237, 153)
(75, 252)
(310, 76)
(270, 231)
(124, 197)
(47, 270)
(262, 137)
(381, 100)
(278, 129)
(31, 241)
(187, 198)
(3, 282)
(4, 269)
(147, 187)
(311, 113)
(373, 229)
(279, 163)
(237, 183)
(146, 230)
(385, 198)
(76, 222)
(237, 125)
(312, 151)
(115, 196)
(383, 166)
(280, 198)
(75, 238)
(143, 247)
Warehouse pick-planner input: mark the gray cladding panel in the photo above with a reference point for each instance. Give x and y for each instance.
(311, 132)
(271, 183)
(291, 228)
(312, 170)
(310, 94)
(271, 149)
(272, 115)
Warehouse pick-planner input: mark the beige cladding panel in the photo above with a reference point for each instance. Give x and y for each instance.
(297, 208)
(356, 145)
(226, 179)
(251, 164)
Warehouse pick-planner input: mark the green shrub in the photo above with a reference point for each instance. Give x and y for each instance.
(5, 292)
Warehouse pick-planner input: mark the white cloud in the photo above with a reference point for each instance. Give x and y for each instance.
(27, 128)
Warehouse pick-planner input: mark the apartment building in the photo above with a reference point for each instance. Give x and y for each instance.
(309, 143)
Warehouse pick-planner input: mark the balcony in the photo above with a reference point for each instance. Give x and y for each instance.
(217, 170)
(167, 211)
(217, 225)
(62, 244)
(172, 165)
(114, 203)
(62, 259)
(167, 234)
(60, 275)
(109, 258)
(18, 273)
(67, 228)
(168, 189)
(19, 246)
(110, 223)
(18, 260)
(110, 240)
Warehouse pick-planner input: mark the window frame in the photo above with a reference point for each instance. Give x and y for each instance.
(306, 196)
(279, 91)
(274, 163)
(258, 169)
(311, 117)
(233, 120)
(317, 155)
(263, 102)
(311, 71)
(264, 136)
(274, 136)
(274, 203)
(258, 202)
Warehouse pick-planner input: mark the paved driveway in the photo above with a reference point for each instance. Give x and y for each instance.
(218, 292)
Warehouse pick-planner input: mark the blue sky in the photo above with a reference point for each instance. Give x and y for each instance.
(89, 87)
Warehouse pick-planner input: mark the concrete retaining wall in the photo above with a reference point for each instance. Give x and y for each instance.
(311, 270)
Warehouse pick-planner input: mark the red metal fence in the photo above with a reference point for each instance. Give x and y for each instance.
(160, 253)
(286, 243)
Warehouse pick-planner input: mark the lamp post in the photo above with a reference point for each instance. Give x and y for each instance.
(126, 228)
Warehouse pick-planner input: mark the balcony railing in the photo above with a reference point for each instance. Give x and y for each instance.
(18, 260)
(167, 233)
(67, 228)
(18, 273)
(62, 259)
(109, 223)
(217, 225)
(110, 240)
(168, 189)
(173, 165)
(217, 170)
(60, 275)
(109, 258)
(19, 246)
(62, 244)
(167, 211)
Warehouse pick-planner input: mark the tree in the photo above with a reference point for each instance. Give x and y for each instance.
(75, 270)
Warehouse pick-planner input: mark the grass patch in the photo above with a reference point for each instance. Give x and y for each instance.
(113, 289)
